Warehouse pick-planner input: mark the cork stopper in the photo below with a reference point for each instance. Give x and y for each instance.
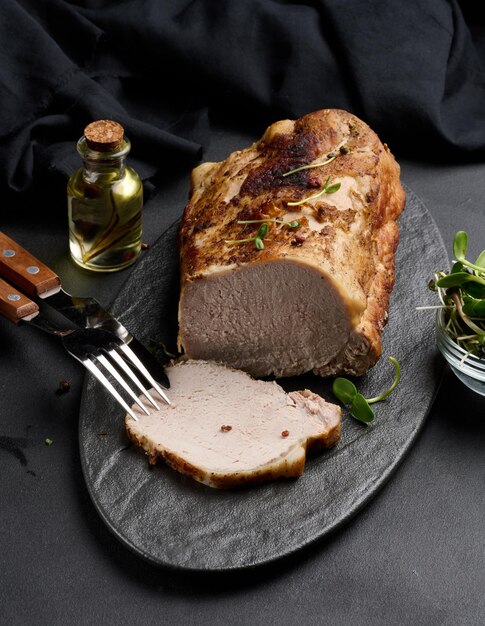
(104, 135)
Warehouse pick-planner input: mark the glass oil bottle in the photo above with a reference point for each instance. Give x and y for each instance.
(105, 199)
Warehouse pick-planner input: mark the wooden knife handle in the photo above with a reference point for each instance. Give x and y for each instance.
(25, 271)
(14, 305)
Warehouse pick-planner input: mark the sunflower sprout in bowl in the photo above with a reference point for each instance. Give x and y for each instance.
(460, 320)
(468, 368)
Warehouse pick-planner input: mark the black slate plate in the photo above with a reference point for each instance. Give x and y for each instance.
(172, 520)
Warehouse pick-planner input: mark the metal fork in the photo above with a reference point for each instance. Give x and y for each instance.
(94, 347)
(98, 350)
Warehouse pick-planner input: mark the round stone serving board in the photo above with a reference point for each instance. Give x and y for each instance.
(174, 521)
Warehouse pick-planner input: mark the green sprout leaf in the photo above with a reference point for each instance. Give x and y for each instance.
(475, 290)
(361, 409)
(48, 442)
(333, 188)
(457, 267)
(480, 262)
(460, 244)
(344, 390)
(454, 280)
(348, 395)
(258, 239)
(459, 279)
(474, 308)
(262, 231)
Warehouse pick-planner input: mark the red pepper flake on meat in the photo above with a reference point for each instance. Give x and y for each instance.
(298, 240)
(285, 433)
(226, 428)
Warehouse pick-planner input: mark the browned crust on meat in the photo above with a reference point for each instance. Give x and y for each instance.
(332, 437)
(365, 342)
(255, 175)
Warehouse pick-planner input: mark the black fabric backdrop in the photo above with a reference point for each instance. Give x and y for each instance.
(165, 70)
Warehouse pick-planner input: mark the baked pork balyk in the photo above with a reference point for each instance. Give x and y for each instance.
(316, 296)
(226, 429)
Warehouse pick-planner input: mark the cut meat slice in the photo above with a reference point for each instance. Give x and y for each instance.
(315, 298)
(226, 429)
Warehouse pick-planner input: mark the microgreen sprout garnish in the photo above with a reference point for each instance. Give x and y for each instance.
(155, 346)
(347, 393)
(331, 156)
(257, 239)
(166, 352)
(327, 189)
(311, 166)
(273, 220)
(48, 441)
(462, 296)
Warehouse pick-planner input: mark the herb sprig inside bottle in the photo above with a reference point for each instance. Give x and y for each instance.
(105, 199)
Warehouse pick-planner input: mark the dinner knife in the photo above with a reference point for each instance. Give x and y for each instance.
(22, 269)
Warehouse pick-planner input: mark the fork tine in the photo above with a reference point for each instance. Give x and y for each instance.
(113, 354)
(94, 369)
(104, 361)
(136, 361)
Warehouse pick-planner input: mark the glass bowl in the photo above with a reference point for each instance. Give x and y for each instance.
(469, 369)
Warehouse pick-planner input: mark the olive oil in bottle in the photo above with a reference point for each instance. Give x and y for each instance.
(105, 199)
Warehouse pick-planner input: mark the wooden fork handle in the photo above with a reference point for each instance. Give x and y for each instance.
(22, 269)
(15, 306)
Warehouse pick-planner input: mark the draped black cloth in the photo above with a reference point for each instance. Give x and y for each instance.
(165, 70)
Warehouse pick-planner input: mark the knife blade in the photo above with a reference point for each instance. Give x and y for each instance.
(22, 269)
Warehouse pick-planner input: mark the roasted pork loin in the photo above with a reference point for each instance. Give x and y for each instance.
(226, 429)
(316, 297)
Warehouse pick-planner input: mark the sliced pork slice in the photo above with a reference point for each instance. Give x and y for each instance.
(226, 429)
(315, 298)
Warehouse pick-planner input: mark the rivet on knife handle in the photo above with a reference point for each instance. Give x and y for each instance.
(15, 306)
(25, 271)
